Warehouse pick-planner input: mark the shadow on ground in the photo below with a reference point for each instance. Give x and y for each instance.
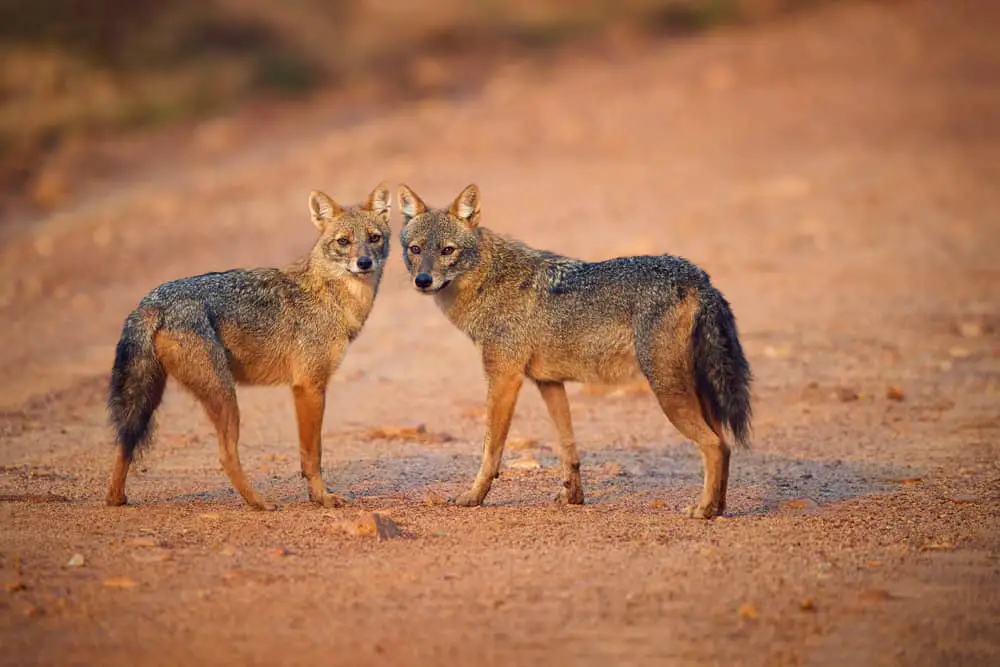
(669, 476)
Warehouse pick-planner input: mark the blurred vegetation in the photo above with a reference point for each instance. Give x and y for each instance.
(85, 68)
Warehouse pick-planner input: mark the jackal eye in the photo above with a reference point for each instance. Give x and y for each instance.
(447, 250)
(374, 238)
(415, 249)
(343, 241)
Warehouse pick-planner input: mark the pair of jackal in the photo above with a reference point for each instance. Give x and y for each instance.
(533, 314)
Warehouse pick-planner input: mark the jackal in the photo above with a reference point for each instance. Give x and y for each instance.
(555, 319)
(264, 326)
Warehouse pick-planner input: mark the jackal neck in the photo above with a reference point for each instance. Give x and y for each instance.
(357, 296)
(349, 297)
(505, 275)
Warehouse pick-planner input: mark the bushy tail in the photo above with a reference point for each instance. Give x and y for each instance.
(137, 382)
(722, 374)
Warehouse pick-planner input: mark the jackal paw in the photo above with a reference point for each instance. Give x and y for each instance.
(570, 495)
(115, 500)
(701, 512)
(263, 505)
(329, 500)
(468, 499)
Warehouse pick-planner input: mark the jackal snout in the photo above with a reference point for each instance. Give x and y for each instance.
(439, 245)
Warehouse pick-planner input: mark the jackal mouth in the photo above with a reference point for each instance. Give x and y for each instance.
(432, 290)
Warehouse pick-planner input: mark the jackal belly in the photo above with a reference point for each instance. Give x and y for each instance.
(257, 360)
(260, 370)
(603, 356)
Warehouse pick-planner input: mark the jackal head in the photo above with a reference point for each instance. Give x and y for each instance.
(439, 245)
(353, 239)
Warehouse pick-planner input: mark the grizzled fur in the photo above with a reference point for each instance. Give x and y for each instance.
(554, 319)
(256, 327)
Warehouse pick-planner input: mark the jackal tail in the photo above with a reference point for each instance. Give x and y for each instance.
(137, 382)
(722, 373)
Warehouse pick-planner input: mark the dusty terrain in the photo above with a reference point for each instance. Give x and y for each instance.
(844, 198)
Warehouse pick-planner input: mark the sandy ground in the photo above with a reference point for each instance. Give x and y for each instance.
(836, 174)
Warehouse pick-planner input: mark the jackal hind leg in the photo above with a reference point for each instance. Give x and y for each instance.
(554, 396)
(116, 488)
(199, 363)
(664, 355)
(685, 413)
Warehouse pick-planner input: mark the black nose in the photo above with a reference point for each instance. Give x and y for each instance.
(364, 263)
(423, 280)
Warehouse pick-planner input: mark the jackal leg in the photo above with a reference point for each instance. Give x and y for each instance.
(310, 401)
(501, 399)
(664, 354)
(200, 365)
(225, 414)
(685, 413)
(554, 395)
(116, 489)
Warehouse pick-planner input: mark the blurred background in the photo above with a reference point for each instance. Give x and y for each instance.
(83, 80)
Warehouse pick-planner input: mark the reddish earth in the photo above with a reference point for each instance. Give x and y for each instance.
(836, 174)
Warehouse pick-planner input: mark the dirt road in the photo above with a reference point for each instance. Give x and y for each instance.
(836, 175)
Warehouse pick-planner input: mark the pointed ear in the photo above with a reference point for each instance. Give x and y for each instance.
(378, 201)
(323, 208)
(466, 206)
(410, 205)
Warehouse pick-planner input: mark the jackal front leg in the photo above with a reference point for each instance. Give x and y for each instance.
(310, 401)
(501, 399)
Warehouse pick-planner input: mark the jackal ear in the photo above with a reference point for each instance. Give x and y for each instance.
(378, 201)
(323, 208)
(410, 205)
(466, 206)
